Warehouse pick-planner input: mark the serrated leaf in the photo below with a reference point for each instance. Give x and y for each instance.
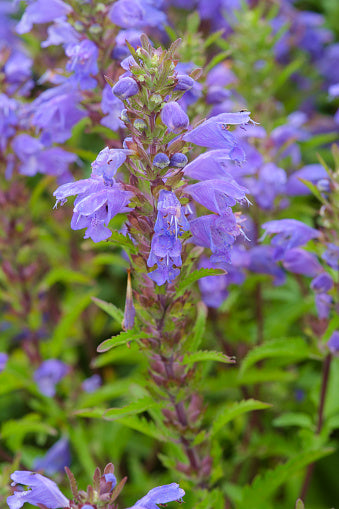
(206, 355)
(195, 276)
(110, 309)
(121, 339)
(137, 407)
(230, 412)
(294, 419)
(264, 486)
(144, 426)
(290, 348)
(92, 413)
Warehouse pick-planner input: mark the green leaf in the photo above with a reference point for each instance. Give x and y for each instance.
(290, 348)
(264, 486)
(144, 426)
(122, 241)
(121, 339)
(91, 413)
(81, 444)
(314, 190)
(110, 309)
(219, 57)
(63, 275)
(206, 355)
(14, 431)
(194, 340)
(294, 419)
(137, 407)
(213, 38)
(230, 412)
(195, 276)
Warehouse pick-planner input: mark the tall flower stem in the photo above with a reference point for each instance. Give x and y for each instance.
(324, 386)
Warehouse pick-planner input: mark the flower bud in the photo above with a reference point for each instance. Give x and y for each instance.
(139, 124)
(127, 143)
(125, 88)
(184, 82)
(124, 116)
(178, 160)
(161, 160)
(322, 283)
(95, 29)
(333, 342)
(174, 117)
(324, 185)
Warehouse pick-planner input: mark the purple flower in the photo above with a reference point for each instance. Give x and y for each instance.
(262, 262)
(217, 233)
(42, 11)
(8, 119)
(298, 261)
(331, 256)
(174, 117)
(40, 491)
(136, 13)
(48, 374)
(125, 88)
(35, 158)
(312, 172)
(56, 112)
(217, 194)
(160, 495)
(269, 184)
(322, 283)
(61, 32)
(333, 342)
(213, 288)
(56, 458)
(334, 90)
(112, 107)
(166, 247)
(215, 164)
(92, 383)
(100, 197)
(3, 361)
(323, 303)
(83, 62)
(289, 233)
(18, 73)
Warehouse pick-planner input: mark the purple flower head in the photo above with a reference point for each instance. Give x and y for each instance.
(184, 83)
(108, 161)
(42, 11)
(289, 233)
(213, 288)
(170, 219)
(312, 172)
(92, 383)
(160, 495)
(56, 459)
(334, 90)
(56, 112)
(323, 303)
(18, 72)
(3, 361)
(120, 50)
(83, 62)
(322, 283)
(216, 194)
(298, 261)
(112, 107)
(40, 491)
(331, 256)
(48, 374)
(110, 478)
(161, 160)
(333, 342)
(215, 164)
(8, 119)
(125, 88)
(174, 117)
(178, 160)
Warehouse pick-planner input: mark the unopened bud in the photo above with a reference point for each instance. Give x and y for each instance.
(124, 116)
(125, 88)
(139, 124)
(184, 82)
(174, 117)
(324, 185)
(161, 160)
(178, 160)
(95, 29)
